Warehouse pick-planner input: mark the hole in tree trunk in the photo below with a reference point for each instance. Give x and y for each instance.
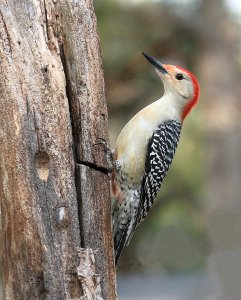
(42, 165)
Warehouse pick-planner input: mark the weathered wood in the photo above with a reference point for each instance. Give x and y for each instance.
(85, 87)
(52, 113)
(87, 275)
(85, 81)
(96, 219)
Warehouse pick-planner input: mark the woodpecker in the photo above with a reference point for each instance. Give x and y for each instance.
(145, 149)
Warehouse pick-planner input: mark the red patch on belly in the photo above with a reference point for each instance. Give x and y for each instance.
(115, 189)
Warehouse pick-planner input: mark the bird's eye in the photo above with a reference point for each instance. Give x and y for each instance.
(179, 76)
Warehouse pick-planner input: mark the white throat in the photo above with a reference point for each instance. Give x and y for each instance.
(171, 105)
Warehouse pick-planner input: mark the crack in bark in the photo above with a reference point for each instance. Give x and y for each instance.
(69, 95)
(77, 162)
(76, 175)
(7, 34)
(52, 39)
(47, 22)
(94, 166)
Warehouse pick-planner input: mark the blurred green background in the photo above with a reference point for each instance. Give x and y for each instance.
(195, 224)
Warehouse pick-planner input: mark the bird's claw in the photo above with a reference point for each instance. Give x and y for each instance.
(109, 152)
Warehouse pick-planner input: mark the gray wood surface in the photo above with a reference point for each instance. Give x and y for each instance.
(54, 187)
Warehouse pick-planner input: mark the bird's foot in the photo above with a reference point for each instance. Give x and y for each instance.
(109, 153)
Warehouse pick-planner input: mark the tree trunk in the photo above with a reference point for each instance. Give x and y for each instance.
(56, 228)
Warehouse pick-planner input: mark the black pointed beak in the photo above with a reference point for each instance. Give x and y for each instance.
(155, 63)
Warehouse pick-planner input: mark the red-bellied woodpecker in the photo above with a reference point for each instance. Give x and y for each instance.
(145, 149)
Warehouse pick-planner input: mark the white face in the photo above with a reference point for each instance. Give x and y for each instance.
(180, 85)
(177, 81)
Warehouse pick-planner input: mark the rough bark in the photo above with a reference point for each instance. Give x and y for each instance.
(53, 178)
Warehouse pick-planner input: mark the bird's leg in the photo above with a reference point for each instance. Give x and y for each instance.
(109, 153)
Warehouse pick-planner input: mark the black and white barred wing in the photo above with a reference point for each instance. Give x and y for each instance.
(160, 152)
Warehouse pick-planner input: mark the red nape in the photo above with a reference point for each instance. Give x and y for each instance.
(194, 100)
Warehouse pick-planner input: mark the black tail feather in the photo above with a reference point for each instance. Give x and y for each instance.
(120, 241)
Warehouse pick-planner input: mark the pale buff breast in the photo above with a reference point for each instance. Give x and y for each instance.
(132, 142)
